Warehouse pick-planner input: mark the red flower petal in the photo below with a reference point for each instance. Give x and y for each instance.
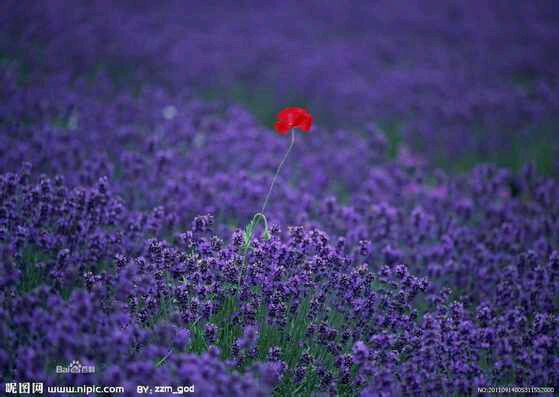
(293, 117)
(306, 124)
(282, 127)
(290, 112)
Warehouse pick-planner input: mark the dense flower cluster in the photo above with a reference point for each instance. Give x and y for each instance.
(111, 299)
(121, 208)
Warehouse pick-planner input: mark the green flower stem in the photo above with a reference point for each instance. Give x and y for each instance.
(278, 170)
(248, 237)
(249, 230)
(162, 360)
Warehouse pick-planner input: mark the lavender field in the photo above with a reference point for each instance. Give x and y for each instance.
(412, 246)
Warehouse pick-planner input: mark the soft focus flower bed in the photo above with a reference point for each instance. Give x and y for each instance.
(121, 242)
(459, 80)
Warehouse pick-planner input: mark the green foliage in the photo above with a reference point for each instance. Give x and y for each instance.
(32, 275)
(393, 131)
(262, 101)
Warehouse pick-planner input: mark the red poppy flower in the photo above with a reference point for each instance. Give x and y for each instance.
(293, 117)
